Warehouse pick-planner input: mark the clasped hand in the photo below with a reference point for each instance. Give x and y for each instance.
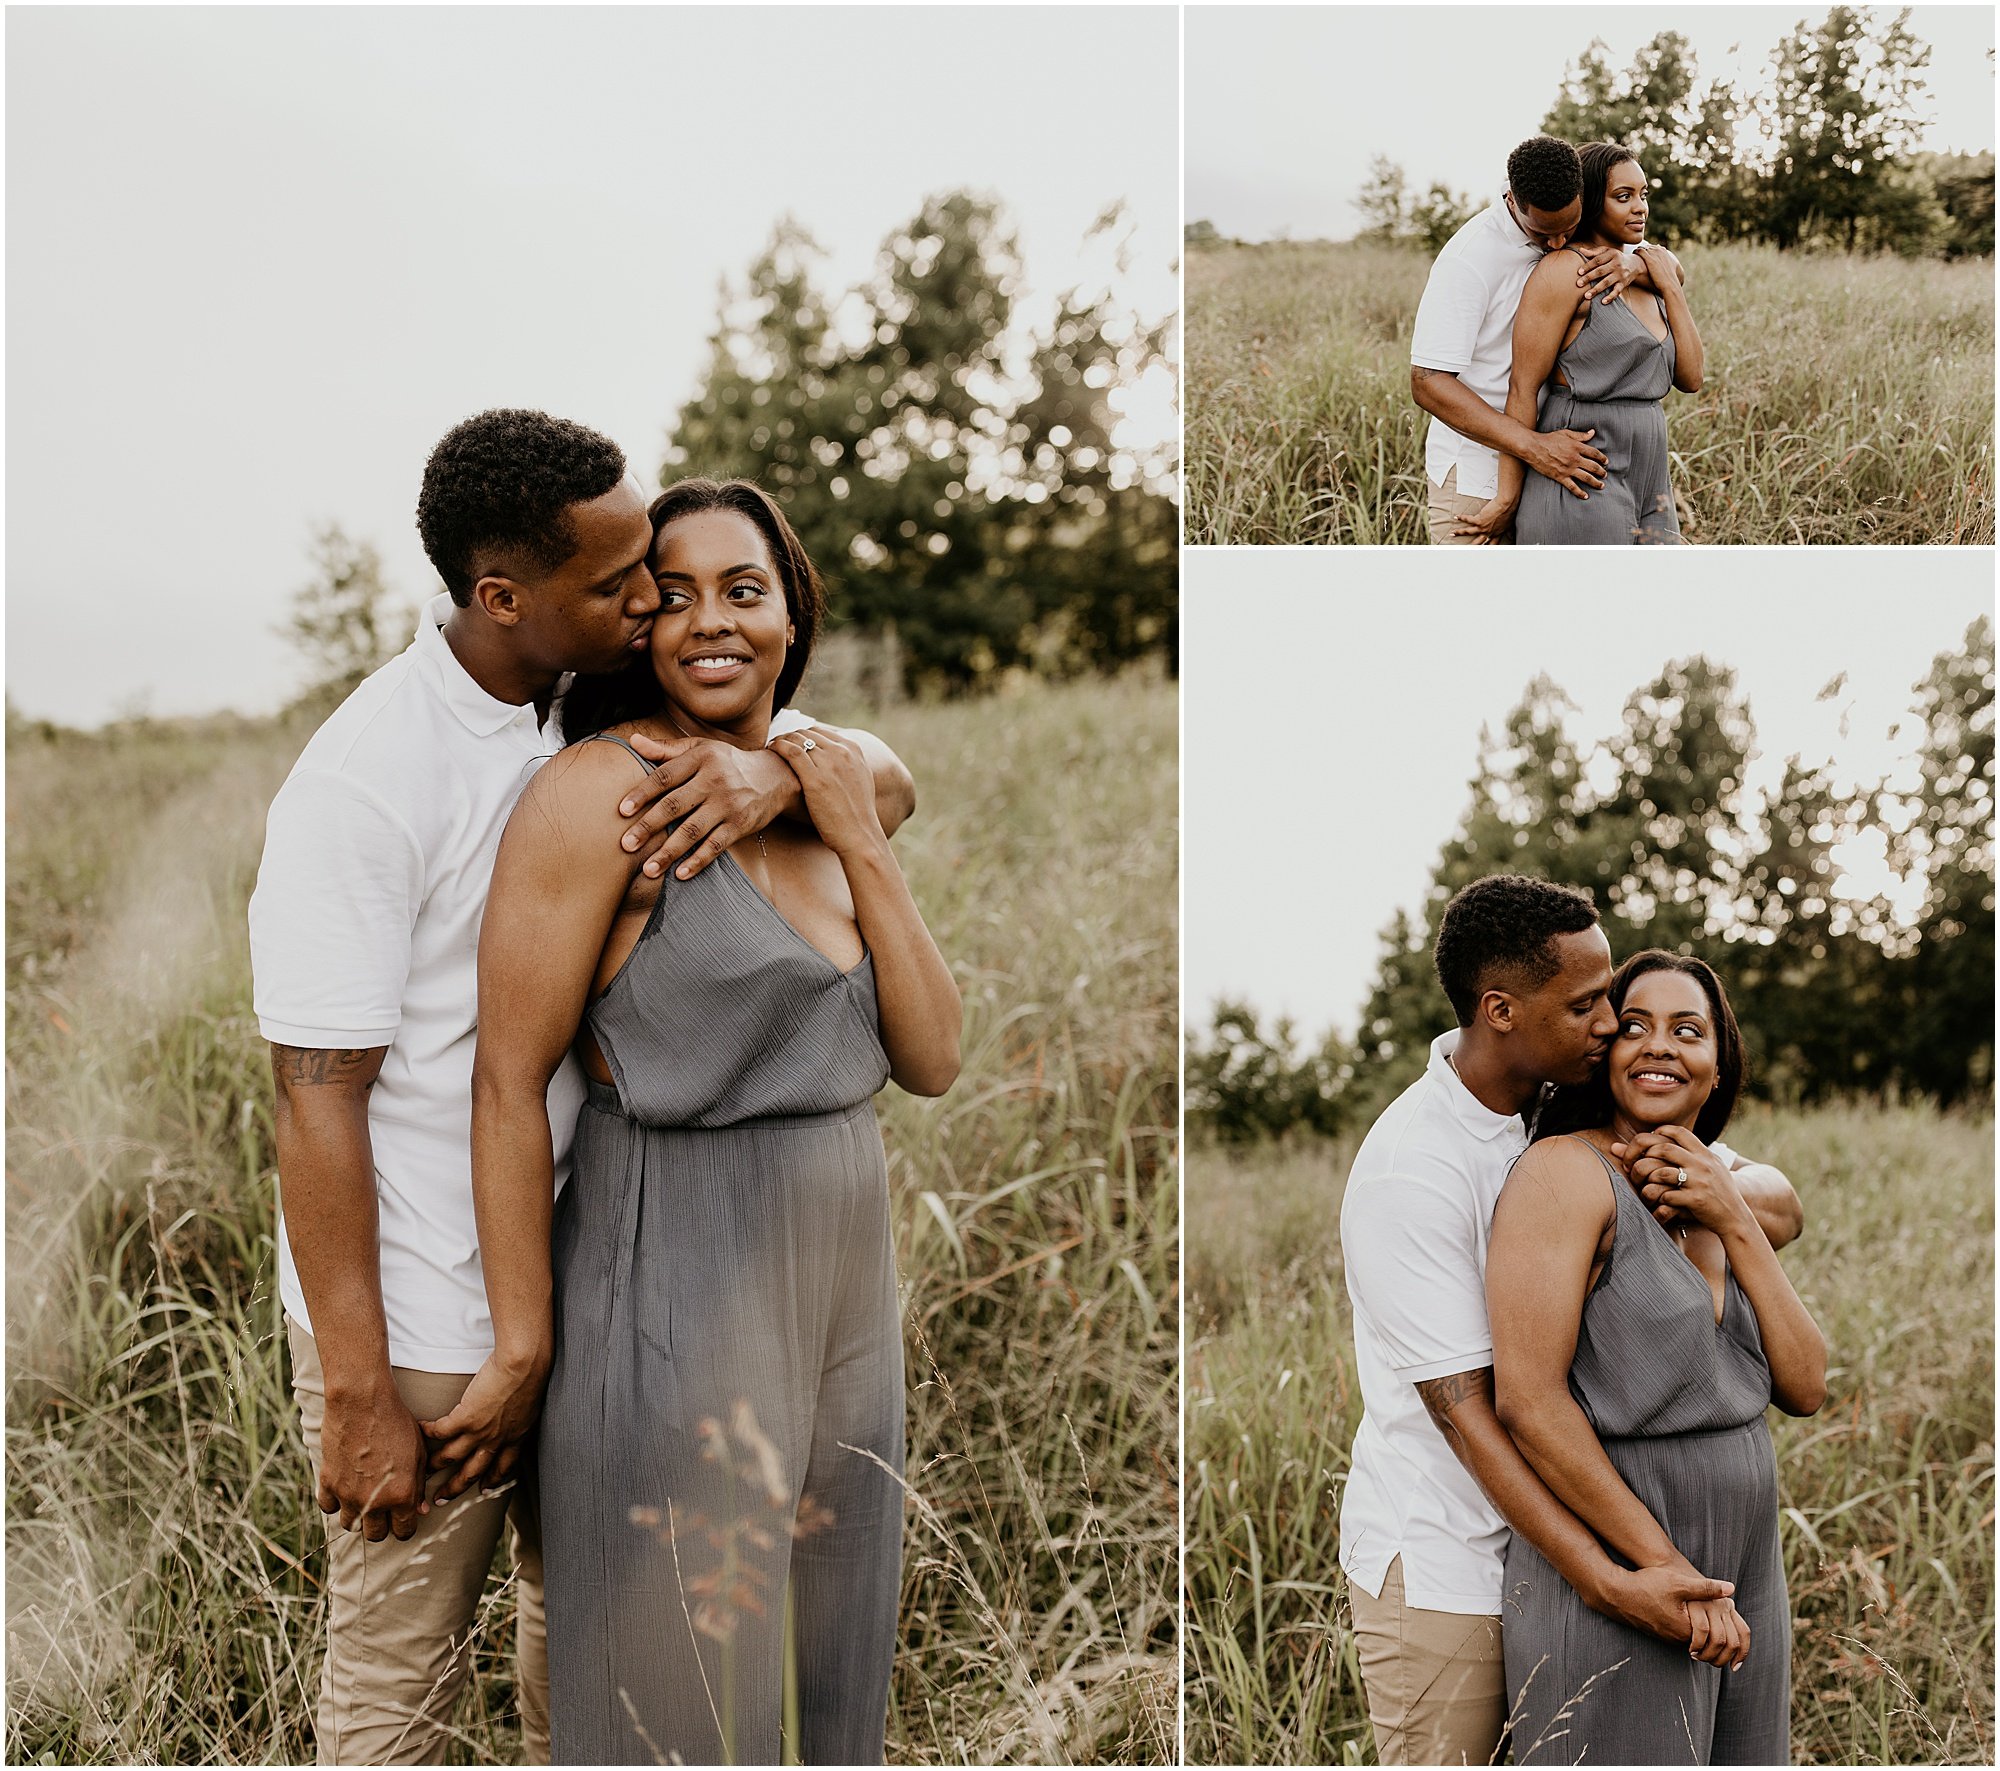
(1680, 1178)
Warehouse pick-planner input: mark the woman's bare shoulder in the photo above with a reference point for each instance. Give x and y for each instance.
(577, 793)
(1566, 1171)
(1554, 277)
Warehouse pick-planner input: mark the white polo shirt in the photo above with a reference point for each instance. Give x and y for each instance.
(364, 931)
(1465, 324)
(1413, 1230)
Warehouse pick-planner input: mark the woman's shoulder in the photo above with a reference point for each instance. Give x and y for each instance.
(1567, 1167)
(578, 789)
(1555, 274)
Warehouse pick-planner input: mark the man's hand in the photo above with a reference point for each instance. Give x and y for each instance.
(371, 1463)
(1567, 457)
(718, 793)
(1607, 273)
(1656, 1600)
(480, 1439)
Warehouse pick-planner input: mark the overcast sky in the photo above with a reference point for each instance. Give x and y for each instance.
(260, 259)
(1286, 106)
(1334, 698)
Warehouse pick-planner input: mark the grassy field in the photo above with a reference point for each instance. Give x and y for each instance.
(163, 1555)
(1846, 399)
(1887, 1492)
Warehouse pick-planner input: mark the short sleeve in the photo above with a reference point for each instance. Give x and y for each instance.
(789, 719)
(331, 918)
(1449, 316)
(1412, 1253)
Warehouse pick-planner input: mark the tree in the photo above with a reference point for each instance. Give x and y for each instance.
(345, 620)
(1947, 1048)
(1384, 201)
(1844, 106)
(1651, 109)
(980, 507)
(1395, 217)
(1244, 1084)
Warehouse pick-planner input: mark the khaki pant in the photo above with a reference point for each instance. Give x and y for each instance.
(401, 1616)
(1437, 1686)
(1445, 503)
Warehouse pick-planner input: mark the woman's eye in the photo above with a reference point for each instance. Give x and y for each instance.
(1632, 1030)
(747, 587)
(673, 599)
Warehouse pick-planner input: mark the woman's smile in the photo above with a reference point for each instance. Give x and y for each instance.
(715, 667)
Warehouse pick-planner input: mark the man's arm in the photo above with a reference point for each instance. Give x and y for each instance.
(371, 1453)
(1652, 1599)
(720, 794)
(1565, 456)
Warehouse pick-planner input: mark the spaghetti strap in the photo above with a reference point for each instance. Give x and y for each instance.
(613, 738)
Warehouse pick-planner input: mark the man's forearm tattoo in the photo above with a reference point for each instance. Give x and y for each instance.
(1442, 1395)
(310, 1066)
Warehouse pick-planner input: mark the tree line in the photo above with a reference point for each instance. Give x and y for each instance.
(1822, 154)
(958, 482)
(1835, 994)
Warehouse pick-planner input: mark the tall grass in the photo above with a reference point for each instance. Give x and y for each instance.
(164, 1557)
(1887, 1493)
(1846, 399)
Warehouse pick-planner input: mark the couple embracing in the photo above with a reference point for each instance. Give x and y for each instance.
(1549, 333)
(1560, 1526)
(569, 892)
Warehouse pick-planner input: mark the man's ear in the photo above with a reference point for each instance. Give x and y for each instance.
(1496, 1009)
(501, 598)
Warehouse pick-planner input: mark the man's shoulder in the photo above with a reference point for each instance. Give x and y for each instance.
(1472, 245)
(1417, 1138)
(384, 737)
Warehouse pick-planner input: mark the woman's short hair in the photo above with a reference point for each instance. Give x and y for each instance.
(595, 703)
(1596, 159)
(1588, 1105)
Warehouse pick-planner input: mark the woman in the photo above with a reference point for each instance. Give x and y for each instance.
(722, 1437)
(1601, 368)
(1632, 1363)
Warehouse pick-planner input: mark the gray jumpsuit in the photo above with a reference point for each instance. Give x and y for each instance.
(1678, 1403)
(724, 1418)
(1618, 373)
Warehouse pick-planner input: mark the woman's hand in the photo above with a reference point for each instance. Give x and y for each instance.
(838, 785)
(1488, 524)
(1717, 1633)
(1658, 264)
(1679, 1177)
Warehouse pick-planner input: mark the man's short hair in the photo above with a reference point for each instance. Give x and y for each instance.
(1505, 926)
(1544, 173)
(498, 489)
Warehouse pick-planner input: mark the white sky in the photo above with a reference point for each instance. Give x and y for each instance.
(260, 259)
(1287, 105)
(1333, 700)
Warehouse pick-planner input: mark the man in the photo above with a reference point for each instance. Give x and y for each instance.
(1435, 1482)
(364, 931)
(1462, 347)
